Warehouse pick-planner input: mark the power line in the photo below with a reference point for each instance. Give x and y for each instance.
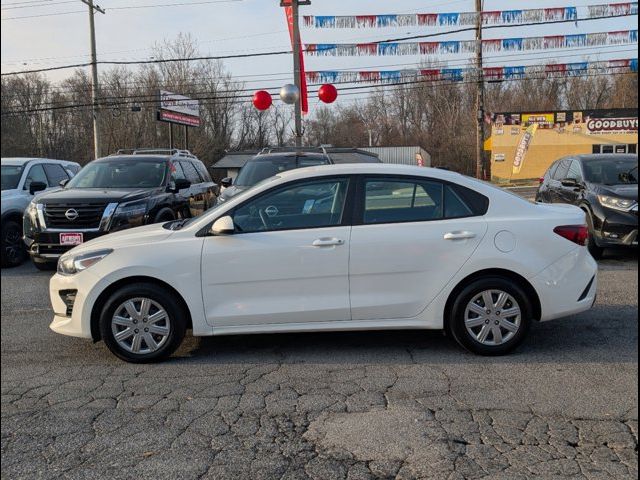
(345, 91)
(37, 4)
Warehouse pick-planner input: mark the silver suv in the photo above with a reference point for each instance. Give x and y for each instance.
(22, 178)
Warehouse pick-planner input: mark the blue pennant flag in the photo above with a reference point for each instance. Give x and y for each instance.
(514, 72)
(386, 20)
(570, 13)
(512, 44)
(448, 18)
(454, 74)
(512, 16)
(450, 47)
(633, 65)
(579, 40)
(388, 48)
(325, 21)
(391, 76)
(576, 69)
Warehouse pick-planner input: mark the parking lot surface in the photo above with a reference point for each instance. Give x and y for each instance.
(337, 405)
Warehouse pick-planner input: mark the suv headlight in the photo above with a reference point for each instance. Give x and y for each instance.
(71, 264)
(32, 212)
(130, 214)
(621, 204)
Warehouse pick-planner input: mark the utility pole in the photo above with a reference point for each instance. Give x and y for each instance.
(295, 4)
(479, 94)
(94, 75)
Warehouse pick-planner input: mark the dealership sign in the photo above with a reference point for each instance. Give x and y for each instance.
(612, 125)
(179, 109)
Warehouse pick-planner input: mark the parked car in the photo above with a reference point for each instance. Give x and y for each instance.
(606, 188)
(114, 193)
(343, 247)
(22, 178)
(272, 161)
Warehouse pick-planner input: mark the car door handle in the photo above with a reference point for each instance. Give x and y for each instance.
(459, 235)
(327, 242)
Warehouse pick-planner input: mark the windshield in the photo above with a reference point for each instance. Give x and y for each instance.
(259, 168)
(11, 176)
(612, 171)
(121, 173)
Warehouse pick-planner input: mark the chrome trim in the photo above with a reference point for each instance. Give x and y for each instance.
(103, 227)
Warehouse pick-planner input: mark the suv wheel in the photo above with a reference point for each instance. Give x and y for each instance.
(491, 316)
(14, 251)
(142, 323)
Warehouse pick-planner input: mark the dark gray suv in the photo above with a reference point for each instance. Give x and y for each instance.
(270, 162)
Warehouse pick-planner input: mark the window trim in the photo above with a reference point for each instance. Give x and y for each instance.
(359, 200)
(346, 216)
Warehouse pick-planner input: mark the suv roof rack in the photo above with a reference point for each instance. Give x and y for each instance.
(267, 150)
(173, 152)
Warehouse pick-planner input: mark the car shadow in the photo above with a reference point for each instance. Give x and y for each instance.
(606, 334)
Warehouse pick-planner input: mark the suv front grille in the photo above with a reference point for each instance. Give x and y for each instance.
(61, 215)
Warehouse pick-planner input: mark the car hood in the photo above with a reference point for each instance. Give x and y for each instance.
(93, 195)
(9, 194)
(629, 192)
(232, 191)
(147, 235)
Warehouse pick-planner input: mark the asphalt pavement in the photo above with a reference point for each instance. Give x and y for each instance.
(403, 405)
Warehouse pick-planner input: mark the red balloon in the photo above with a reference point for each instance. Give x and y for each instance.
(262, 100)
(328, 93)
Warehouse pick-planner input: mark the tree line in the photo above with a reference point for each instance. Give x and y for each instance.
(440, 117)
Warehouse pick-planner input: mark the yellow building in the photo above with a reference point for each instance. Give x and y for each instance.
(523, 145)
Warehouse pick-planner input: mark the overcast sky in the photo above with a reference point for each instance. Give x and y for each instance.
(257, 25)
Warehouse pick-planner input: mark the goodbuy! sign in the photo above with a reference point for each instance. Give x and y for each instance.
(612, 125)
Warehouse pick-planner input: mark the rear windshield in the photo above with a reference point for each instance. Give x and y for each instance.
(612, 171)
(260, 168)
(121, 173)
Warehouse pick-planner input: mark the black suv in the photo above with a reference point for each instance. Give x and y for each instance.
(271, 161)
(120, 191)
(606, 188)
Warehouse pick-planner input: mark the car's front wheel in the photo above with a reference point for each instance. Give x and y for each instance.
(13, 249)
(491, 316)
(142, 323)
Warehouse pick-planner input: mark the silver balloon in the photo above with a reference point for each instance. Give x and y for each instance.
(290, 94)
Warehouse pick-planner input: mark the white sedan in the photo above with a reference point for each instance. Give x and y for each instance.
(334, 248)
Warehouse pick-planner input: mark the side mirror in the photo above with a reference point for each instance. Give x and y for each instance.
(180, 184)
(226, 182)
(223, 226)
(570, 182)
(64, 182)
(35, 187)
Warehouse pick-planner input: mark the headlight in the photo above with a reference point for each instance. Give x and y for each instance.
(621, 204)
(72, 264)
(130, 214)
(32, 212)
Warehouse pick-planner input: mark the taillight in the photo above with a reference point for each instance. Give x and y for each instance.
(574, 233)
(541, 180)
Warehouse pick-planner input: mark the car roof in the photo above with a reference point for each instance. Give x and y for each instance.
(20, 161)
(268, 156)
(155, 157)
(370, 168)
(606, 156)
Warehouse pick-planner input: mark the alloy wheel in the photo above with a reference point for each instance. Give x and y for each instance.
(493, 317)
(140, 325)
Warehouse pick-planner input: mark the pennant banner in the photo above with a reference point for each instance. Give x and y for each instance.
(624, 37)
(489, 74)
(500, 17)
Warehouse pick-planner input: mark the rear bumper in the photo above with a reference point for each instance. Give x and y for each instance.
(568, 286)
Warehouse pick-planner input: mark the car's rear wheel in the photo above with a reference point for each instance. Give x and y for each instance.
(13, 249)
(142, 323)
(491, 316)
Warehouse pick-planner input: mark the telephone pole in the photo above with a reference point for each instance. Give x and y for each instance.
(479, 94)
(94, 75)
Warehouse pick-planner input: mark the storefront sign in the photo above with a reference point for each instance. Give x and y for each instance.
(523, 147)
(540, 119)
(599, 126)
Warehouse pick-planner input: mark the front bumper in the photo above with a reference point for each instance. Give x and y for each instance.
(74, 321)
(568, 286)
(45, 246)
(616, 229)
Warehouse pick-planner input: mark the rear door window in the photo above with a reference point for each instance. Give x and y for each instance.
(575, 171)
(563, 170)
(202, 170)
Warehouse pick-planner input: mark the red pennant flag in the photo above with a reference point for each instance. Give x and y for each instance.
(304, 93)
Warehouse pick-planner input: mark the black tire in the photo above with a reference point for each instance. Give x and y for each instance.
(44, 266)
(456, 322)
(14, 251)
(164, 215)
(596, 251)
(161, 296)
